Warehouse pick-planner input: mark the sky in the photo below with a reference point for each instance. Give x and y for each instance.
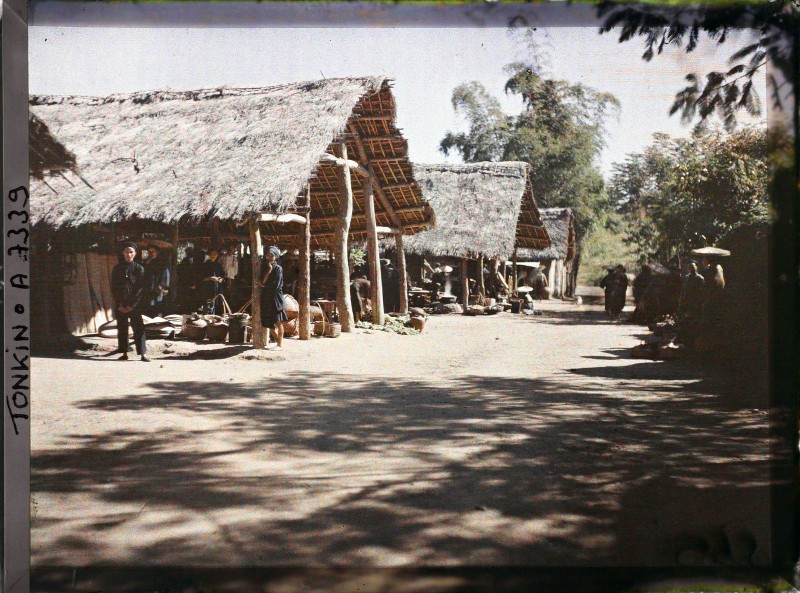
(425, 63)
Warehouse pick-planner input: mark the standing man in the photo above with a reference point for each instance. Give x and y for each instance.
(157, 282)
(615, 285)
(540, 284)
(690, 306)
(213, 278)
(715, 291)
(128, 289)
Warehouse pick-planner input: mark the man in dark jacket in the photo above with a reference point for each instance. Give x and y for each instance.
(128, 289)
(157, 282)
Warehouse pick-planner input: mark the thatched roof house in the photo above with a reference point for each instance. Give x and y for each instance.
(558, 259)
(560, 225)
(482, 209)
(220, 154)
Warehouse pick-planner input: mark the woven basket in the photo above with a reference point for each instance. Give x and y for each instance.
(327, 329)
(418, 323)
(194, 327)
(217, 332)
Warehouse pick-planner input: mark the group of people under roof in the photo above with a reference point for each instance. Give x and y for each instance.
(142, 289)
(442, 279)
(694, 298)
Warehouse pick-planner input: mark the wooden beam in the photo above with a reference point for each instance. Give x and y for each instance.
(387, 230)
(385, 137)
(401, 272)
(465, 282)
(173, 271)
(514, 270)
(259, 335)
(376, 187)
(482, 282)
(388, 159)
(282, 218)
(375, 277)
(381, 117)
(343, 301)
(352, 165)
(304, 288)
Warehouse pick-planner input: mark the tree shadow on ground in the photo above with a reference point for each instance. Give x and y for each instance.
(355, 470)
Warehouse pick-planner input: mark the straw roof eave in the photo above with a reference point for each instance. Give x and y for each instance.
(222, 154)
(478, 207)
(560, 225)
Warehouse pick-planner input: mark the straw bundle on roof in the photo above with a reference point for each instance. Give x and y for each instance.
(480, 208)
(560, 226)
(217, 153)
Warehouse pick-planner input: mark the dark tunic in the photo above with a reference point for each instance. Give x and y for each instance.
(128, 284)
(273, 308)
(187, 296)
(128, 289)
(615, 284)
(210, 289)
(692, 295)
(157, 282)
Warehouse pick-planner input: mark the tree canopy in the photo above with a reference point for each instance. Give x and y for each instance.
(683, 193)
(560, 132)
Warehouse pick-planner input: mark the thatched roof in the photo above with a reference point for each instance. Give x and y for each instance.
(481, 209)
(560, 225)
(222, 154)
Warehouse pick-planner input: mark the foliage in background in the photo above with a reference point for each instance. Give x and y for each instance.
(605, 246)
(683, 193)
(358, 256)
(560, 132)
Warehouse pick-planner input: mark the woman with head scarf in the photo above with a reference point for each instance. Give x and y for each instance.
(273, 309)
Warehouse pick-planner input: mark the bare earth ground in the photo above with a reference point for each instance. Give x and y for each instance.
(505, 440)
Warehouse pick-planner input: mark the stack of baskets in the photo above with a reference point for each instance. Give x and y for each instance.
(212, 327)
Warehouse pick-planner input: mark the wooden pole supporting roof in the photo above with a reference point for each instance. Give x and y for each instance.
(259, 333)
(304, 289)
(375, 277)
(401, 271)
(343, 302)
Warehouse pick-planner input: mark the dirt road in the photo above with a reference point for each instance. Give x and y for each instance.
(496, 440)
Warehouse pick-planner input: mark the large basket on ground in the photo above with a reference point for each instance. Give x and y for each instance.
(194, 327)
(292, 307)
(325, 327)
(217, 329)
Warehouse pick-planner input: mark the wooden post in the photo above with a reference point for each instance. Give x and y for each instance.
(401, 272)
(304, 289)
(514, 270)
(259, 334)
(343, 302)
(173, 271)
(373, 257)
(482, 284)
(465, 282)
